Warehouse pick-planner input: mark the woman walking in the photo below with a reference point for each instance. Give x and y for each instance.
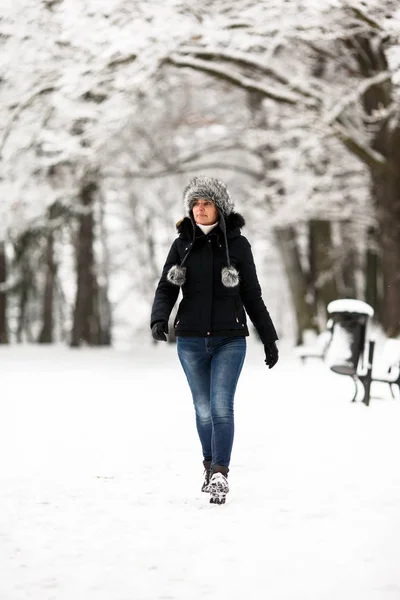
(213, 265)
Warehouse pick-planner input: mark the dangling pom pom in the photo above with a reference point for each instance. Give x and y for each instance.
(230, 277)
(177, 275)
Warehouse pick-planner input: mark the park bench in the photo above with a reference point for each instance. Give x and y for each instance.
(316, 350)
(346, 349)
(388, 370)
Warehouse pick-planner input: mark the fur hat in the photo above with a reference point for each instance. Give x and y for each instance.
(210, 189)
(216, 191)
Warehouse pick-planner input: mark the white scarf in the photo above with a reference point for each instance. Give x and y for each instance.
(207, 228)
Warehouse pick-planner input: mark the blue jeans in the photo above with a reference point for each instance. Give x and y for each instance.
(212, 367)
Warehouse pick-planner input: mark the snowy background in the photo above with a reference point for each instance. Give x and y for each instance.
(107, 109)
(101, 469)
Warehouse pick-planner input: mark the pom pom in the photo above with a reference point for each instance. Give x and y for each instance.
(230, 277)
(177, 275)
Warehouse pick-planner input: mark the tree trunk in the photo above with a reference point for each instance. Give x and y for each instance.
(348, 261)
(3, 295)
(47, 335)
(86, 322)
(62, 312)
(322, 266)
(387, 193)
(286, 242)
(370, 53)
(285, 237)
(105, 310)
(373, 275)
(24, 288)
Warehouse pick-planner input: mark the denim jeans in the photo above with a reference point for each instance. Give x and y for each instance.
(212, 367)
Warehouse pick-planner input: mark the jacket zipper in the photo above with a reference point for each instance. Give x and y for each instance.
(236, 310)
(212, 271)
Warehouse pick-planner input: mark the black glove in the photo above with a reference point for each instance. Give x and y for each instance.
(158, 331)
(271, 354)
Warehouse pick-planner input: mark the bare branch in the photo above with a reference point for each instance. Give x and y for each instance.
(217, 147)
(177, 169)
(234, 78)
(362, 16)
(247, 60)
(122, 60)
(366, 154)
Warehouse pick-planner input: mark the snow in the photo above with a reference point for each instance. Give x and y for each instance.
(387, 366)
(348, 305)
(101, 471)
(316, 346)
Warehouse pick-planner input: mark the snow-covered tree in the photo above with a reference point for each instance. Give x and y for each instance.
(73, 70)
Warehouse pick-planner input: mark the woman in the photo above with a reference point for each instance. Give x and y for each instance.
(213, 264)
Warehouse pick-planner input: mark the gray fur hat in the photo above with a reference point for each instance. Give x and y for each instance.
(210, 188)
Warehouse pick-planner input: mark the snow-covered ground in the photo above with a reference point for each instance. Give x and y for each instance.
(100, 471)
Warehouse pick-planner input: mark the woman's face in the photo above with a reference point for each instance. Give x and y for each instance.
(204, 211)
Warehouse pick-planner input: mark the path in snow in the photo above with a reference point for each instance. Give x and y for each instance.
(100, 474)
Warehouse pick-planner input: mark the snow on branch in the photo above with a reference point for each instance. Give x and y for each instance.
(356, 146)
(355, 96)
(210, 149)
(185, 168)
(122, 60)
(184, 164)
(235, 78)
(360, 13)
(249, 61)
(46, 89)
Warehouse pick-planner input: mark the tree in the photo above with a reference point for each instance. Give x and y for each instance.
(87, 326)
(55, 214)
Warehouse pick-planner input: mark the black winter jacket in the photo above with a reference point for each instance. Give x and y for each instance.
(208, 308)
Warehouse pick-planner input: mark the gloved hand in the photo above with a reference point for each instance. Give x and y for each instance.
(158, 331)
(271, 354)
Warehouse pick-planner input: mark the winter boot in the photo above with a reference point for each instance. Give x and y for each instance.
(218, 486)
(207, 475)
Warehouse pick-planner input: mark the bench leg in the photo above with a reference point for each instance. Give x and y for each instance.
(391, 385)
(367, 389)
(367, 379)
(355, 381)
